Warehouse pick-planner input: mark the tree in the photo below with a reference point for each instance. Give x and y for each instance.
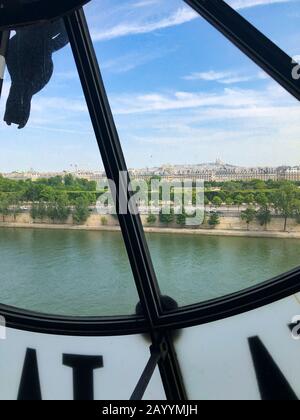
(214, 219)
(296, 206)
(232, 186)
(181, 219)
(58, 210)
(62, 208)
(4, 206)
(229, 202)
(250, 199)
(47, 194)
(51, 211)
(217, 202)
(33, 192)
(69, 180)
(248, 216)
(283, 201)
(38, 211)
(264, 216)
(81, 210)
(15, 208)
(166, 216)
(222, 195)
(258, 184)
(34, 211)
(239, 200)
(41, 210)
(262, 200)
(56, 181)
(151, 219)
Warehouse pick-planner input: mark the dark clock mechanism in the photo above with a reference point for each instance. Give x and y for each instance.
(24, 12)
(30, 65)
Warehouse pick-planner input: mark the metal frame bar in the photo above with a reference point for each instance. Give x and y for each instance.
(115, 166)
(4, 39)
(113, 161)
(263, 294)
(250, 41)
(238, 303)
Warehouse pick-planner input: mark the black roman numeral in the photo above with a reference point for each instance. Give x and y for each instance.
(30, 388)
(83, 374)
(272, 384)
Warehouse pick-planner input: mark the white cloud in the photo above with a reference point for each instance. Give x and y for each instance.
(158, 102)
(146, 16)
(209, 76)
(145, 3)
(241, 125)
(180, 16)
(225, 77)
(245, 4)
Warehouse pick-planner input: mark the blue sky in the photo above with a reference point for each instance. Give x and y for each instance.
(180, 92)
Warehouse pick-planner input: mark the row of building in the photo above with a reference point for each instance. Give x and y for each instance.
(209, 172)
(221, 172)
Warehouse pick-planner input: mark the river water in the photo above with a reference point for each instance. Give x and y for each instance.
(88, 274)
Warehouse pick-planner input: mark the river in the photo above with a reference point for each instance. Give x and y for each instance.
(85, 273)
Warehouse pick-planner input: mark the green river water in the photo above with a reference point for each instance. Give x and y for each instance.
(88, 274)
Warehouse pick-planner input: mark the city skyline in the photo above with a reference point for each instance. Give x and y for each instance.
(180, 93)
(205, 169)
(218, 162)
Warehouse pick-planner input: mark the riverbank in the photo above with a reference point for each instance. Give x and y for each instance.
(156, 230)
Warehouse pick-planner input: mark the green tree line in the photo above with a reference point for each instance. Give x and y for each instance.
(48, 190)
(54, 199)
(283, 202)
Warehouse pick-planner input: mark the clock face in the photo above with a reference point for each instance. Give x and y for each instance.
(177, 278)
(251, 356)
(40, 366)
